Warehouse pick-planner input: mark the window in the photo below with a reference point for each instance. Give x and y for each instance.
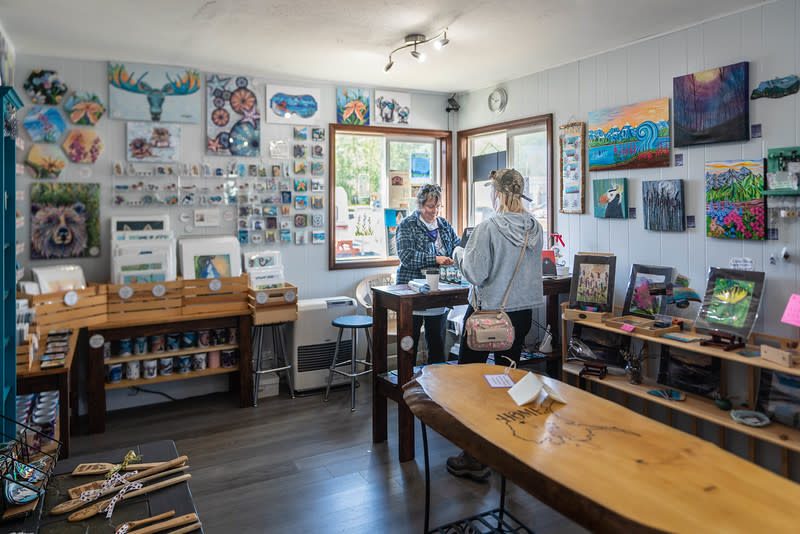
(525, 145)
(375, 174)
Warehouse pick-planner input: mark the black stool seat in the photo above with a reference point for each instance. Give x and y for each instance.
(353, 321)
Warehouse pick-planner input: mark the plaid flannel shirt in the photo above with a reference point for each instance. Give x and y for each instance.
(416, 250)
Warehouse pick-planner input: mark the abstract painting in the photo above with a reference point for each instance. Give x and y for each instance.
(83, 146)
(610, 198)
(572, 140)
(143, 92)
(65, 220)
(233, 125)
(391, 108)
(663, 205)
(735, 202)
(45, 161)
(712, 106)
(352, 106)
(153, 142)
(44, 125)
(44, 87)
(84, 108)
(293, 105)
(635, 136)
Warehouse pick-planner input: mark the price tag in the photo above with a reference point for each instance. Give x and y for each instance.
(96, 341)
(159, 290)
(215, 285)
(71, 298)
(261, 297)
(406, 343)
(125, 292)
(290, 295)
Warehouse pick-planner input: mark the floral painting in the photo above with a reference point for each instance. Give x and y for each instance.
(233, 126)
(143, 92)
(65, 220)
(84, 108)
(44, 87)
(44, 125)
(352, 106)
(153, 142)
(83, 146)
(45, 161)
(735, 203)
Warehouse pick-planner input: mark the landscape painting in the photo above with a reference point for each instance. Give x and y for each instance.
(712, 106)
(635, 136)
(735, 202)
(663, 205)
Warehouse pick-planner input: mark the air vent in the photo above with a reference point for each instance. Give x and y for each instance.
(320, 356)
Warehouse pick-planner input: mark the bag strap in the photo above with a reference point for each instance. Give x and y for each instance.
(510, 282)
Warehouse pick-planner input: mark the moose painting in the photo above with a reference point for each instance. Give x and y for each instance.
(154, 93)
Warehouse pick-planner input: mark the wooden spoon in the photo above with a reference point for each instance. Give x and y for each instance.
(75, 492)
(98, 507)
(141, 522)
(184, 530)
(166, 525)
(101, 468)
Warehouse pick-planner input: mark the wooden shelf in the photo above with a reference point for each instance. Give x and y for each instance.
(166, 354)
(696, 406)
(170, 378)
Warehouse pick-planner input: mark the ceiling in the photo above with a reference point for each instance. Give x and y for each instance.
(348, 42)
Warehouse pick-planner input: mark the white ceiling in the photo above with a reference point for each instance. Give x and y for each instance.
(335, 41)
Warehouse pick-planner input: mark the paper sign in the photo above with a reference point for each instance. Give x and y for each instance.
(526, 389)
(791, 315)
(627, 327)
(499, 381)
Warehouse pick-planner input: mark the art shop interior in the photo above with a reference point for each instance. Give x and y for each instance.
(208, 206)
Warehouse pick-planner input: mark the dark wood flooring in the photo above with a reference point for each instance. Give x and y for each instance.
(304, 466)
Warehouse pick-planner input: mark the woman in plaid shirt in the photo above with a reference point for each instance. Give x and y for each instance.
(426, 240)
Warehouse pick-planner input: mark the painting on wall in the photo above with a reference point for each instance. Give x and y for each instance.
(65, 220)
(392, 108)
(712, 106)
(293, 105)
(572, 142)
(7, 61)
(233, 125)
(662, 201)
(610, 198)
(45, 161)
(143, 92)
(735, 202)
(153, 142)
(44, 87)
(635, 136)
(84, 108)
(83, 146)
(44, 125)
(352, 106)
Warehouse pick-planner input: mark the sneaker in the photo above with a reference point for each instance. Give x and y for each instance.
(465, 465)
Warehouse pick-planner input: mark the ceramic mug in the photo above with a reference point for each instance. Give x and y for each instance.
(203, 338)
(140, 345)
(173, 342)
(157, 343)
(149, 368)
(188, 339)
(184, 364)
(132, 370)
(165, 366)
(228, 358)
(213, 359)
(199, 361)
(125, 346)
(113, 373)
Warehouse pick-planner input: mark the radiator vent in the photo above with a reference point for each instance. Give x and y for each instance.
(320, 356)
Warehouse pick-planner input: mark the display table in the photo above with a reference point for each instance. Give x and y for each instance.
(598, 463)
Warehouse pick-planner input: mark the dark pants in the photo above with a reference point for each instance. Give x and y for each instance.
(521, 319)
(435, 330)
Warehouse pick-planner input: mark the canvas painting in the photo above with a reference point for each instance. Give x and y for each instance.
(44, 125)
(233, 116)
(352, 106)
(141, 92)
(635, 136)
(83, 146)
(712, 106)
(642, 298)
(44, 87)
(610, 198)
(735, 202)
(148, 142)
(65, 220)
(662, 201)
(593, 283)
(84, 108)
(45, 161)
(292, 105)
(392, 108)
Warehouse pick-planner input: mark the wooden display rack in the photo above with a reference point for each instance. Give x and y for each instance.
(640, 325)
(134, 302)
(53, 310)
(215, 296)
(274, 305)
(571, 314)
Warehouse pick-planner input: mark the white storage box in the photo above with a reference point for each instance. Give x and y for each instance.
(266, 278)
(268, 385)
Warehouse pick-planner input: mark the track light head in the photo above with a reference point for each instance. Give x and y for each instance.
(389, 65)
(441, 43)
(412, 40)
(419, 56)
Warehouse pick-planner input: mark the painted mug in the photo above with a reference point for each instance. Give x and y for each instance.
(199, 361)
(173, 342)
(150, 368)
(113, 373)
(157, 343)
(125, 346)
(165, 366)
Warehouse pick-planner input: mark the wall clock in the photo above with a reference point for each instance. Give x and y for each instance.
(498, 100)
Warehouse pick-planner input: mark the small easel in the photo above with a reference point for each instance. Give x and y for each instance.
(726, 342)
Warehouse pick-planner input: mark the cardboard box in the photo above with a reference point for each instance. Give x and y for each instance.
(785, 357)
(268, 385)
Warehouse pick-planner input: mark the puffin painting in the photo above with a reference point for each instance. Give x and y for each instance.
(612, 198)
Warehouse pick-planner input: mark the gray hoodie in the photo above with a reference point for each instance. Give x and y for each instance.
(490, 257)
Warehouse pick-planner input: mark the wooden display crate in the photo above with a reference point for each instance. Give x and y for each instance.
(640, 325)
(24, 357)
(274, 305)
(571, 314)
(76, 308)
(136, 302)
(216, 295)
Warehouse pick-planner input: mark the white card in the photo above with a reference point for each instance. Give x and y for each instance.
(499, 381)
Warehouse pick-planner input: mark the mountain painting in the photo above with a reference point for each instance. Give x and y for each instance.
(712, 106)
(635, 136)
(735, 202)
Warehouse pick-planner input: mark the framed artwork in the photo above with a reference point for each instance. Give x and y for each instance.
(610, 198)
(300, 150)
(317, 238)
(293, 105)
(299, 166)
(136, 223)
(84, 108)
(148, 142)
(233, 116)
(45, 161)
(712, 106)
(392, 108)
(690, 372)
(572, 143)
(730, 304)
(662, 202)
(634, 136)
(318, 134)
(140, 92)
(783, 168)
(286, 236)
(735, 202)
(301, 184)
(300, 134)
(779, 397)
(352, 106)
(317, 169)
(300, 220)
(318, 151)
(83, 146)
(65, 220)
(300, 237)
(592, 287)
(317, 221)
(300, 202)
(210, 257)
(638, 299)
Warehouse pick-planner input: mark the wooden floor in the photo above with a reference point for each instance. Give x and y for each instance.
(304, 466)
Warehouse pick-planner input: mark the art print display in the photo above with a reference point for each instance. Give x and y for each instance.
(690, 372)
(300, 151)
(779, 397)
(735, 202)
(44, 125)
(634, 136)
(392, 108)
(317, 168)
(45, 161)
(317, 238)
(84, 108)
(317, 202)
(712, 106)
(233, 116)
(317, 151)
(210, 257)
(293, 105)
(65, 220)
(317, 220)
(783, 168)
(352, 106)
(318, 134)
(662, 202)
(572, 142)
(610, 198)
(44, 87)
(83, 146)
(645, 281)
(731, 301)
(392, 218)
(592, 287)
(300, 237)
(148, 142)
(142, 92)
(299, 166)
(300, 134)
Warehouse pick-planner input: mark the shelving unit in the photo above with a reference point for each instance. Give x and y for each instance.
(167, 354)
(170, 378)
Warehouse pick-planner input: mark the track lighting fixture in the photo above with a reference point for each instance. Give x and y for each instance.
(417, 39)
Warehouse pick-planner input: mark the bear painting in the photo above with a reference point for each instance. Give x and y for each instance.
(65, 220)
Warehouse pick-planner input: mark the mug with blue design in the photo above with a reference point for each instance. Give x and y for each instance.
(188, 339)
(173, 342)
(125, 346)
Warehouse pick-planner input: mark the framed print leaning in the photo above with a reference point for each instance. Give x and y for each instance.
(592, 287)
(731, 301)
(572, 146)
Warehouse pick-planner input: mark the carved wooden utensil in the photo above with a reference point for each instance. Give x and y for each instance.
(75, 492)
(184, 530)
(101, 468)
(166, 525)
(142, 522)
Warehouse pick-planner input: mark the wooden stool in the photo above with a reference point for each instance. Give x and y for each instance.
(354, 322)
(278, 353)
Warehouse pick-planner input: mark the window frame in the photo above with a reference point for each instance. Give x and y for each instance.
(444, 160)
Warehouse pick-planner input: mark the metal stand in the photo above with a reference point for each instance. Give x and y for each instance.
(278, 352)
(353, 361)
